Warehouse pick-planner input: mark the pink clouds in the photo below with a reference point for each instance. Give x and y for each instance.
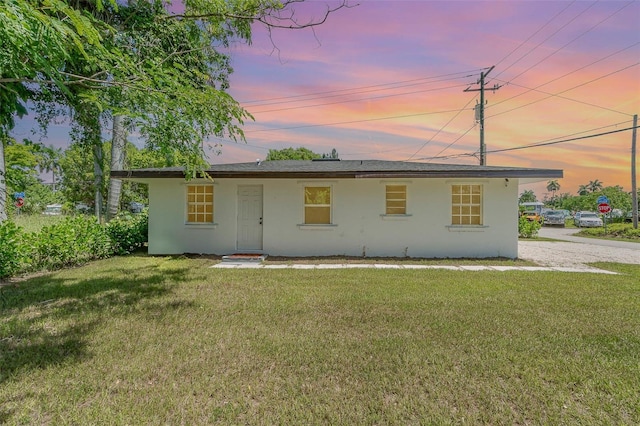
(562, 46)
(575, 52)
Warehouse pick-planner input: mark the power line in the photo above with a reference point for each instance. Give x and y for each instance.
(563, 76)
(358, 100)
(548, 38)
(529, 38)
(330, 93)
(572, 40)
(545, 143)
(482, 147)
(561, 97)
(351, 93)
(567, 90)
(430, 113)
(563, 141)
(351, 122)
(441, 129)
(449, 146)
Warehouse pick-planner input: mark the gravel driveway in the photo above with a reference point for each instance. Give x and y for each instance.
(576, 252)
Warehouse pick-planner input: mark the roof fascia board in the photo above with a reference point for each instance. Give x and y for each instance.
(345, 175)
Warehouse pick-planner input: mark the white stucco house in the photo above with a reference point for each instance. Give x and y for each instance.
(366, 208)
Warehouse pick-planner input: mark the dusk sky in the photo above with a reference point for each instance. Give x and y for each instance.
(386, 80)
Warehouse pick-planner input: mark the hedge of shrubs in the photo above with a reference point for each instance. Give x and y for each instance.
(73, 241)
(623, 231)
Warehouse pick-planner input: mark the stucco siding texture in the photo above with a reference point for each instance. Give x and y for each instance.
(359, 225)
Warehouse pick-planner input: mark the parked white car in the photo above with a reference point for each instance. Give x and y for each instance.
(53, 210)
(587, 220)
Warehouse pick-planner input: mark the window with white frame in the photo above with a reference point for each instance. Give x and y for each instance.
(317, 205)
(396, 199)
(466, 204)
(199, 204)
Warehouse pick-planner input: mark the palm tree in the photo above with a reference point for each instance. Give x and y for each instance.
(49, 161)
(594, 185)
(553, 186)
(583, 190)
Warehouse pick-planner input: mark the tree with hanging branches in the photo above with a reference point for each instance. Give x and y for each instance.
(161, 71)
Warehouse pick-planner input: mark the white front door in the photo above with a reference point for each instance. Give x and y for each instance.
(250, 217)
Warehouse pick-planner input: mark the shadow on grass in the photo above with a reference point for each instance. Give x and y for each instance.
(46, 320)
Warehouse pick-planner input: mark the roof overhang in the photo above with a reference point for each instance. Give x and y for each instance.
(480, 172)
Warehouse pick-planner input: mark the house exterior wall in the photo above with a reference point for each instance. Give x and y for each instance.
(359, 226)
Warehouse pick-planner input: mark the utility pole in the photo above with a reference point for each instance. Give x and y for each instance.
(634, 185)
(483, 148)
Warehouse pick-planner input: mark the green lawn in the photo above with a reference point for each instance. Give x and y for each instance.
(35, 222)
(151, 340)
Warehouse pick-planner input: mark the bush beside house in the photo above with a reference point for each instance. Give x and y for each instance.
(528, 228)
(73, 241)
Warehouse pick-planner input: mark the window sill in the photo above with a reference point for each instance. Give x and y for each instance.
(328, 227)
(466, 228)
(395, 216)
(200, 225)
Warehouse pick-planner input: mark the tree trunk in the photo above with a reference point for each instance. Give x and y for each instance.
(98, 177)
(3, 185)
(118, 152)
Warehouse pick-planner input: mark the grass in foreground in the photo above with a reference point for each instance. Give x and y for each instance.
(35, 222)
(144, 340)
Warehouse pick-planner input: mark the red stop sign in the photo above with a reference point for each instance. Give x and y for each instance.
(604, 208)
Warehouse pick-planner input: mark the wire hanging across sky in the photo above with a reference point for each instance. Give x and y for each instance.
(548, 142)
(364, 89)
(362, 99)
(446, 131)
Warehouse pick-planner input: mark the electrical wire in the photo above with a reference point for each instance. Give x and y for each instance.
(360, 100)
(563, 76)
(451, 144)
(553, 53)
(566, 90)
(561, 141)
(361, 89)
(529, 38)
(290, 99)
(548, 142)
(441, 129)
(354, 93)
(351, 122)
(572, 40)
(547, 39)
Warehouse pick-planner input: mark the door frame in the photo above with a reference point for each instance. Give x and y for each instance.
(257, 244)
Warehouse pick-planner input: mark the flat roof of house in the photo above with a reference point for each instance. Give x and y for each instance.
(345, 169)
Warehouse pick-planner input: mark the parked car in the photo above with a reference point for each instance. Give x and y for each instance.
(553, 217)
(532, 216)
(53, 210)
(135, 207)
(82, 208)
(587, 220)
